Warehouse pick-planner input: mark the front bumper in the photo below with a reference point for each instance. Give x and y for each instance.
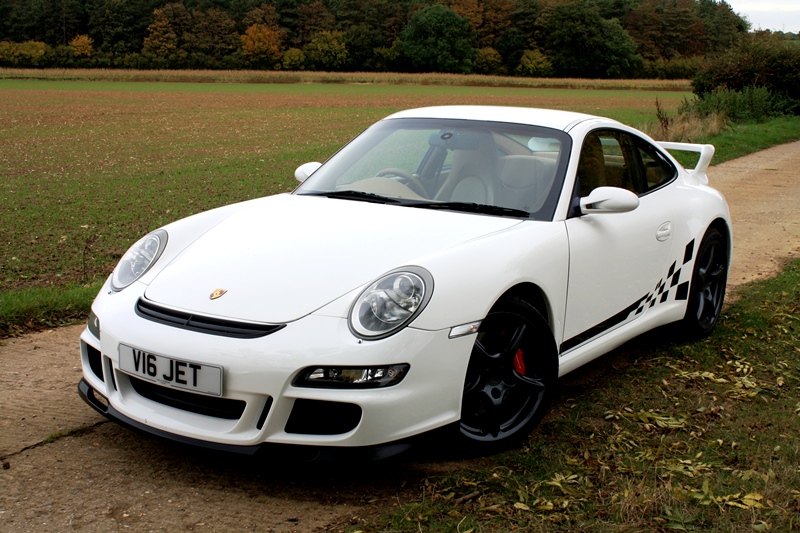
(258, 376)
(301, 453)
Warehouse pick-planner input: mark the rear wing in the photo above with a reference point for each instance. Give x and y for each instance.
(706, 152)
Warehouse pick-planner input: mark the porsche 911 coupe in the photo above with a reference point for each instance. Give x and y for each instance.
(439, 272)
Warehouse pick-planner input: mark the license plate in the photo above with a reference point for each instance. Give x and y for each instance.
(171, 372)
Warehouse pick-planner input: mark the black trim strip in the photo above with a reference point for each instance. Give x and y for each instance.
(204, 324)
(602, 326)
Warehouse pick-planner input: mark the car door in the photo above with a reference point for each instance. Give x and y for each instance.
(617, 259)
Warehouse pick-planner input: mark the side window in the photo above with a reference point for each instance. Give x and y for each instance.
(607, 160)
(656, 170)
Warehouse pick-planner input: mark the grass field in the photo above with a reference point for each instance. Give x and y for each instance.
(87, 167)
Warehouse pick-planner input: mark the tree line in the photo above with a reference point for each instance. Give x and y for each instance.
(564, 38)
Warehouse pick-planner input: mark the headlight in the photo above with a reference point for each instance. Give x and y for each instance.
(138, 259)
(391, 303)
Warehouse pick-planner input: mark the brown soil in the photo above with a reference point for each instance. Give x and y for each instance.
(105, 478)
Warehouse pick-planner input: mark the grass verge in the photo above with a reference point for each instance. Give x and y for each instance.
(659, 435)
(39, 308)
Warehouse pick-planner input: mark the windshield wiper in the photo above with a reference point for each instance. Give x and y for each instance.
(470, 207)
(355, 195)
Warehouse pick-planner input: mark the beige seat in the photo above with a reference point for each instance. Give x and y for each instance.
(526, 181)
(473, 175)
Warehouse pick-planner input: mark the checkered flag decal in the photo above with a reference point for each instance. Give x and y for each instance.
(666, 285)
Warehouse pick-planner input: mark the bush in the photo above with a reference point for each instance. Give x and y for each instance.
(677, 68)
(489, 61)
(293, 59)
(749, 104)
(534, 64)
(27, 54)
(759, 60)
(326, 51)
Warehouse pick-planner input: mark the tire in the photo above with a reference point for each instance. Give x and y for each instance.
(707, 289)
(510, 379)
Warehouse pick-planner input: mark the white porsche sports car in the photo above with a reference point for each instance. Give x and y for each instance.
(442, 270)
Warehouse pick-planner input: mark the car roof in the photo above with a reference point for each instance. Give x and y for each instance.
(550, 118)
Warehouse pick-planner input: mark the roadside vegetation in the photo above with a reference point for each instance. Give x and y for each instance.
(660, 435)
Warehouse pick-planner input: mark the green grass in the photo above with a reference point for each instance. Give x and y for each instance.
(743, 139)
(44, 307)
(660, 435)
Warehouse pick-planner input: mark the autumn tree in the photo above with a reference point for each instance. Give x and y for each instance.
(496, 19)
(81, 46)
(326, 51)
(665, 29)
(213, 33)
(534, 64)
(261, 44)
(471, 10)
(162, 34)
(489, 61)
(265, 14)
(313, 19)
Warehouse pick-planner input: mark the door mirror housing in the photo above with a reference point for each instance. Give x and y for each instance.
(609, 200)
(304, 171)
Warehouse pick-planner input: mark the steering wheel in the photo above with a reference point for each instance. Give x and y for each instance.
(411, 180)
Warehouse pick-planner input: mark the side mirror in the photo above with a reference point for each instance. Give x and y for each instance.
(304, 171)
(609, 200)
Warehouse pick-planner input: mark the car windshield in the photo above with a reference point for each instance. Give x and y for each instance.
(481, 167)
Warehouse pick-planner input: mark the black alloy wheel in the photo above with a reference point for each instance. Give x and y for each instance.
(709, 278)
(511, 375)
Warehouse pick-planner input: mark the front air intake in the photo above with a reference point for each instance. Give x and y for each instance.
(204, 324)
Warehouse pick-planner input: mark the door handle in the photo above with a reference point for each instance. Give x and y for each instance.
(664, 231)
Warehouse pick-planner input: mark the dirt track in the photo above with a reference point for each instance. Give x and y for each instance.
(105, 478)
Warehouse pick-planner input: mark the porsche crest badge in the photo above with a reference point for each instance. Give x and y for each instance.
(217, 293)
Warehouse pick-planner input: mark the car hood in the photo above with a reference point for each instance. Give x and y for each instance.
(283, 257)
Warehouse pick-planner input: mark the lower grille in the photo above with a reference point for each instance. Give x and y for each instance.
(225, 408)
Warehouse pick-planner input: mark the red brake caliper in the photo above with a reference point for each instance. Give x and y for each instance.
(519, 362)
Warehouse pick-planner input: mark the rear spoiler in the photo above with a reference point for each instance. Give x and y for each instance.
(706, 152)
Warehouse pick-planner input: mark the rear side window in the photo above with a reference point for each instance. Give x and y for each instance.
(656, 170)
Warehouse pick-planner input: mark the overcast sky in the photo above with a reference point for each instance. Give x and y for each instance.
(775, 15)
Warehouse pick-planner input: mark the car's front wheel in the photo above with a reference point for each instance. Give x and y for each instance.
(707, 290)
(511, 376)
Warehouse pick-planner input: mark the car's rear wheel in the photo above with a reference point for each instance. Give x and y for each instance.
(511, 376)
(707, 290)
